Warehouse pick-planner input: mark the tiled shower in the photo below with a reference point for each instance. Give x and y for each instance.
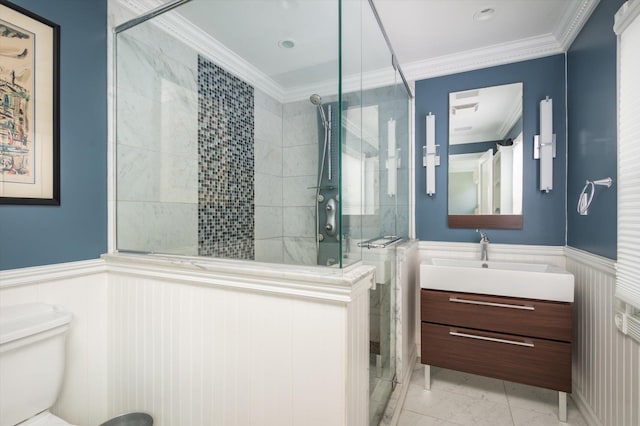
(220, 158)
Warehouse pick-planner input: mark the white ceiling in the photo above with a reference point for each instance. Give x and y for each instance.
(422, 30)
(430, 37)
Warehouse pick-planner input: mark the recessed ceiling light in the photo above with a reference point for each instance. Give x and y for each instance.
(484, 14)
(287, 44)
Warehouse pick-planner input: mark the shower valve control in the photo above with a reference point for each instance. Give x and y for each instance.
(330, 226)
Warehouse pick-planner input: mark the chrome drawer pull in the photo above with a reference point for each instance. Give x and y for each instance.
(495, 305)
(491, 339)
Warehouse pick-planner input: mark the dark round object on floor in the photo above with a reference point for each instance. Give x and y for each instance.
(131, 419)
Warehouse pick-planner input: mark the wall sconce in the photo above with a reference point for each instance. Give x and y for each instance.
(545, 145)
(430, 157)
(393, 158)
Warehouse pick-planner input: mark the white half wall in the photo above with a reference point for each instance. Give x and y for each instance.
(194, 344)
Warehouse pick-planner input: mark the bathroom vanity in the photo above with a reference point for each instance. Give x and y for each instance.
(475, 319)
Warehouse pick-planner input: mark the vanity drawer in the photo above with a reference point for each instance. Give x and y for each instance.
(527, 317)
(525, 360)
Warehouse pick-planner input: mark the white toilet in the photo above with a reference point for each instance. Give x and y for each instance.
(32, 357)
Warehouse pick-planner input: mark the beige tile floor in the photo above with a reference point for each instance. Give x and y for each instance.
(459, 398)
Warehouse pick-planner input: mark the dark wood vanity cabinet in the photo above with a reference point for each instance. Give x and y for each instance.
(520, 340)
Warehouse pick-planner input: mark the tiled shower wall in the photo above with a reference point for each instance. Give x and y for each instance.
(157, 143)
(299, 176)
(166, 203)
(286, 144)
(225, 164)
(268, 178)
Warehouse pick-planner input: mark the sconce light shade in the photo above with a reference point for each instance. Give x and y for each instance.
(545, 145)
(431, 158)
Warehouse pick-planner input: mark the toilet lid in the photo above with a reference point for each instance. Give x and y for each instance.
(45, 419)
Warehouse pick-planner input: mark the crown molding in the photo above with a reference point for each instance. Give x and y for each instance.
(554, 43)
(194, 37)
(368, 80)
(571, 24)
(625, 15)
(181, 29)
(498, 54)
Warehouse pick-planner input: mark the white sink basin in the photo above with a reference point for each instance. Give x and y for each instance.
(514, 279)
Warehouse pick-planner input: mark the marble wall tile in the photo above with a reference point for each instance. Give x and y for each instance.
(300, 128)
(299, 251)
(155, 176)
(268, 157)
(298, 191)
(156, 141)
(136, 177)
(300, 160)
(178, 112)
(269, 250)
(136, 116)
(268, 190)
(154, 40)
(158, 227)
(268, 126)
(268, 222)
(299, 222)
(264, 101)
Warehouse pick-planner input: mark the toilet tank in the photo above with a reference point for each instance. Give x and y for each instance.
(32, 354)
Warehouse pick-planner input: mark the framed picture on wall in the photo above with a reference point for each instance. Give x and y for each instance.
(29, 108)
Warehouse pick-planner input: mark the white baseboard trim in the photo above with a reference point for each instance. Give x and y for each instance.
(45, 273)
(584, 408)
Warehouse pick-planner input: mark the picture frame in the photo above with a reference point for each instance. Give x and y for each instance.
(29, 107)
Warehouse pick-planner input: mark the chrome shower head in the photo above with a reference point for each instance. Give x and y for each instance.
(315, 99)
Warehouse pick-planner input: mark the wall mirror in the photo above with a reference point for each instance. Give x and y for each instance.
(485, 157)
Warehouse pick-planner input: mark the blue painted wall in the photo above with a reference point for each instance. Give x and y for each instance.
(591, 99)
(77, 229)
(544, 214)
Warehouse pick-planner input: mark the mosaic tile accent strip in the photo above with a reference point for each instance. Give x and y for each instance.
(225, 164)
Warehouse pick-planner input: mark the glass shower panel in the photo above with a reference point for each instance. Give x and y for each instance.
(219, 137)
(375, 188)
(156, 137)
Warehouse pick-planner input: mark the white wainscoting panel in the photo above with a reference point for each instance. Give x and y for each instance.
(208, 352)
(358, 350)
(81, 288)
(606, 363)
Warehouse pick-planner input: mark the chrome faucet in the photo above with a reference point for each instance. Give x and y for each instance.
(484, 246)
